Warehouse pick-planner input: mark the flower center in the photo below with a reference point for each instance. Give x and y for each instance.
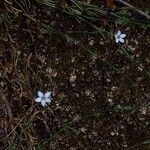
(43, 98)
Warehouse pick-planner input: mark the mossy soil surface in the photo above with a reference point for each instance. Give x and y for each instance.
(101, 89)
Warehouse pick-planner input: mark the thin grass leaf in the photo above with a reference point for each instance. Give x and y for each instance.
(50, 3)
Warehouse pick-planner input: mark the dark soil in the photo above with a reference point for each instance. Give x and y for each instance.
(101, 96)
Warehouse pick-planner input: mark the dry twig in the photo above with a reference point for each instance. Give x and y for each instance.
(133, 7)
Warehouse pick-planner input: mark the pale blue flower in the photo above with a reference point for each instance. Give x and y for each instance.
(119, 37)
(44, 98)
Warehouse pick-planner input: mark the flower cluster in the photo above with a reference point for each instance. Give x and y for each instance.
(44, 98)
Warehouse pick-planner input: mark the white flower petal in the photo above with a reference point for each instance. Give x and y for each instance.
(123, 35)
(38, 99)
(40, 94)
(48, 100)
(121, 40)
(118, 33)
(48, 94)
(43, 103)
(116, 36)
(117, 40)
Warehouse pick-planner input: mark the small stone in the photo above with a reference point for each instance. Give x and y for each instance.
(91, 42)
(112, 133)
(72, 78)
(87, 92)
(83, 129)
(114, 88)
(110, 100)
(76, 118)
